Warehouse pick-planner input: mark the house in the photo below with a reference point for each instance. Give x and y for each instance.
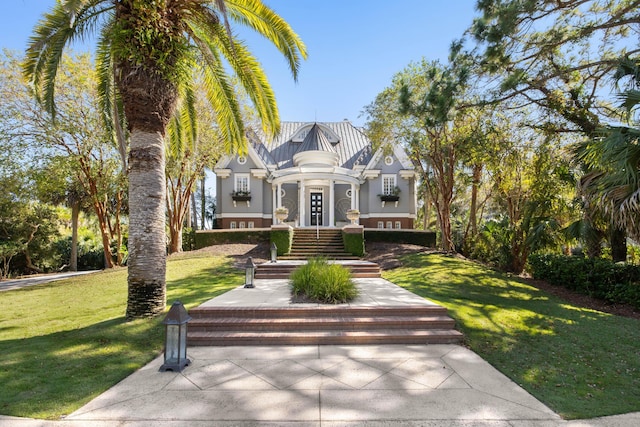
(317, 171)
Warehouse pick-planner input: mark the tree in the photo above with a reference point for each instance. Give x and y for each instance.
(426, 95)
(147, 50)
(557, 55)
(76, 137)
(193, 143)
(613, 159)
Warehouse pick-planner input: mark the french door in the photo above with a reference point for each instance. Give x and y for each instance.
(316, 208)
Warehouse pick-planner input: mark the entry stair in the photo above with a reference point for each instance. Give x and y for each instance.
(321, 325)
(283, 269)
(312, 242)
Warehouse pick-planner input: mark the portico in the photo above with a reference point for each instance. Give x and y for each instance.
(316, 200)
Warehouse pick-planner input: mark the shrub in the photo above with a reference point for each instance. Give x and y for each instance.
(353, 243)
(412, 237)
(596, 277)
(323, 282)
(283, 238)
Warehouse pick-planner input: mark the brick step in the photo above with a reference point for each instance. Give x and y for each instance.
(330, 256)
(314, 243)
(317, 311)
(396, 336)
(321, 323)
(285, 275)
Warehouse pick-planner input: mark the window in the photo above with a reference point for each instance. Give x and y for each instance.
(348, 193)
(388, 160)
(242, 183)
(389, 224)
(250, 224)
(242, 225)
(380, 224)
(232, 224)
(389, 185)
(242, 160)
(398, 225)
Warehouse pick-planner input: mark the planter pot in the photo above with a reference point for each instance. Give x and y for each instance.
(389, 198)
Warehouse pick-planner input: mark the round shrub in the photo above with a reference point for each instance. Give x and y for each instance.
(323, 282)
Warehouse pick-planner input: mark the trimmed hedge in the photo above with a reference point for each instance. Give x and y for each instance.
(596, 277)
(353, 243)
(204, 238)
(283, 238)
(413, 237)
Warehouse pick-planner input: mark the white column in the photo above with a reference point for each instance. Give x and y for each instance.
(357, 197)
(353, 196)
(273, 205)
(332, 184)
(279, 195)
(301, 209)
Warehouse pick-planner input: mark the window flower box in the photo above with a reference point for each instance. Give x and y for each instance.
(241, 196)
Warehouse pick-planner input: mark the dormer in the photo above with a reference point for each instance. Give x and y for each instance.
(316, 149)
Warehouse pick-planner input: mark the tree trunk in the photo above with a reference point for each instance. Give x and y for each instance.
(473, 210)
(203, 201)
(618, 242)
(194, 211)
(73, 261)
(147, 237)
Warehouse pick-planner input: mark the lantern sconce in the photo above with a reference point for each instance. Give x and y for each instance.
(249, 273)
(274, 253)
(175, 341)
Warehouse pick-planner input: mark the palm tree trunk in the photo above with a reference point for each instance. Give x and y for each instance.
(147, 237)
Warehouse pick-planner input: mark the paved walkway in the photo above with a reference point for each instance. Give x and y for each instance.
(296, 386)
(9, 285)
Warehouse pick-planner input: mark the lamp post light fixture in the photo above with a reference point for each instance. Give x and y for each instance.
(175, 341)
(274, 252)
(249, 273)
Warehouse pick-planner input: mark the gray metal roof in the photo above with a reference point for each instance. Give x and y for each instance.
(350, 143)
(316, 140)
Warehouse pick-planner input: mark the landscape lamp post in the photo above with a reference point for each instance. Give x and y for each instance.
(249, 273)
(274, 252)
(175, 341)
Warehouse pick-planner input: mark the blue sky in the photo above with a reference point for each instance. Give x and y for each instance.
(355, 47)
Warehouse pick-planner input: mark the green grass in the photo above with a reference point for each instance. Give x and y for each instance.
(581, 363)
(64, 343)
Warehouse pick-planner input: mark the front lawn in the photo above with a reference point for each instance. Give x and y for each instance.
(581, 363)
(64, 343)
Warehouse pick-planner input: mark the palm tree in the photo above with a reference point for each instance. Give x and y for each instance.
(147, 52)
(614, 161)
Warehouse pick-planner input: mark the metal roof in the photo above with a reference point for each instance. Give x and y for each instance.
(350, 143)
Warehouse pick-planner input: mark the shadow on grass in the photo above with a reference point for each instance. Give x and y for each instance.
(47, 375)
(58, 372)
(580, 362)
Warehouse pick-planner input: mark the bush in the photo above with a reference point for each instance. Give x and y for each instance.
(353, 243)
(283, 238)
(204, 238)
(323, 282)
(412, 237)
(596, 277)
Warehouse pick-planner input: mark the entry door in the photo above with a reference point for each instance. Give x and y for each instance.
(316, 208)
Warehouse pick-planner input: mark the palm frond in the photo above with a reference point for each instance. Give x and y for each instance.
(262, 19)
(65, 23)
